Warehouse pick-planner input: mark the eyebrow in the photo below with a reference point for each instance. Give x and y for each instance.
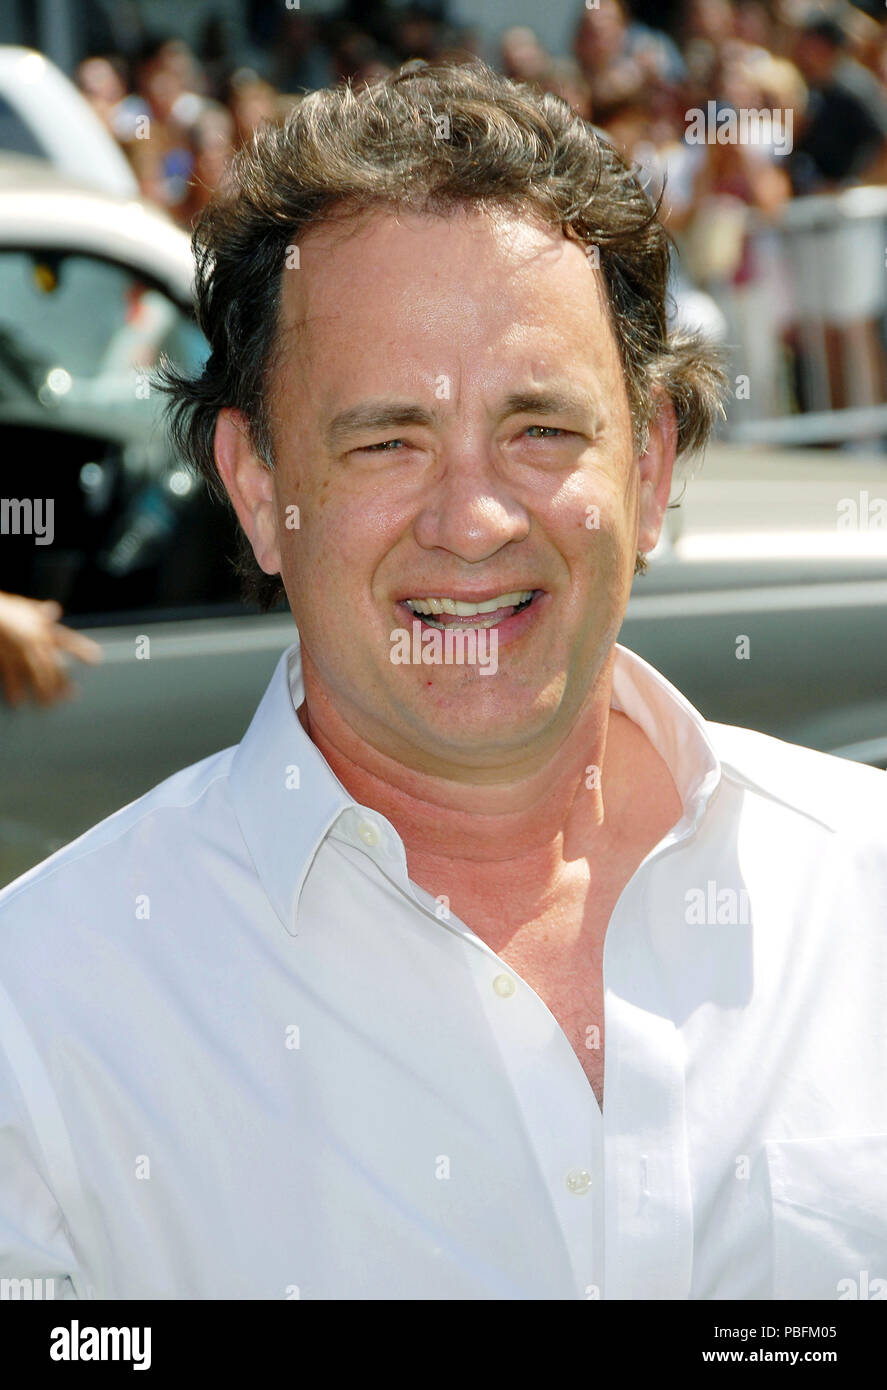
(375, 415)
(383, 414)
(548, 401)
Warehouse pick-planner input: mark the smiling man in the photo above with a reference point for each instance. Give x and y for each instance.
(454, 468)
(484, 966)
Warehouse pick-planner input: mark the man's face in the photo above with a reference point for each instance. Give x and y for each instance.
(814, 56)
(506, 467)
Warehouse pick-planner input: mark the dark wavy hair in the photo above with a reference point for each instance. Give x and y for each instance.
(429, 138)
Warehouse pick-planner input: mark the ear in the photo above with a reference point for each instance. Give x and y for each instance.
(655, 469)
(250, 485)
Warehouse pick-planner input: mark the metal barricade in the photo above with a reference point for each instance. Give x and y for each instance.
(807, 328)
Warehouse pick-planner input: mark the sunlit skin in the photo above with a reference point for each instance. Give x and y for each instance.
(484, 777)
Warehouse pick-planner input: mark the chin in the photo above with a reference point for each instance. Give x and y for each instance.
(480, 717)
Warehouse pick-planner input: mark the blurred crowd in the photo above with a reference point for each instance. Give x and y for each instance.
(180, 111)
(637, 71)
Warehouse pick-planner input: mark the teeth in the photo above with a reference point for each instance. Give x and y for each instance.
(458, 609)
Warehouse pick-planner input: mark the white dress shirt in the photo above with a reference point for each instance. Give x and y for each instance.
(242, 1055)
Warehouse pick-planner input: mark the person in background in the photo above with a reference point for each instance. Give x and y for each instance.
(34, 646)
(711, 22)
(153, 123)
(211, 142)
(301, 59)
(844, 139)
(754, 24)
(523, 57)
(101, 83)
(564, 78)
(617, 54)
(358, 58)
(252, 101)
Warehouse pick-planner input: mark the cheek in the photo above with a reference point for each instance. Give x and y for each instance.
(336, 550)
(593, 508)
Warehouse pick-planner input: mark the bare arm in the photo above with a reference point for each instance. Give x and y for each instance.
(33, 648)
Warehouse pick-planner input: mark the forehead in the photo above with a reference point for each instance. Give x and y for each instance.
(428, 286)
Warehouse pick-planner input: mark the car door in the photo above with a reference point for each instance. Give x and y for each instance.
(127, 541)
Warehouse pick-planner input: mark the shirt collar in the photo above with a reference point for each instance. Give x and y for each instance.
(287, 798)
(285, 794)
(675, 728)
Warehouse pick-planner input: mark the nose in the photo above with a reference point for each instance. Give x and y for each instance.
(470, 511)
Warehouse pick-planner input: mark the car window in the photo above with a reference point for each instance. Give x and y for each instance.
(96, 511)
(16, 135)
(89, 317)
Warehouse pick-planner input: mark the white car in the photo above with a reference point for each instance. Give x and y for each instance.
(43, 115)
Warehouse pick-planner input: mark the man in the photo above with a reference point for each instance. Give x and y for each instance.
(505, 976)
(844, 138)
(842, 142)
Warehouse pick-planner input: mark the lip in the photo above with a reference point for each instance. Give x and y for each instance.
(508, 631)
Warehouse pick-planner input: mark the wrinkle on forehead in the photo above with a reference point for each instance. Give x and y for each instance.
(481, 302)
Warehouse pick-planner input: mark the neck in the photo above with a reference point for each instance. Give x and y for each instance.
(518, 833)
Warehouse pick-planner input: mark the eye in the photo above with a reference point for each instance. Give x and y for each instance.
(377, 448)
(548, 430)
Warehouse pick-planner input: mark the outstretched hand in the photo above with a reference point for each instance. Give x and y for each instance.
(34, 646)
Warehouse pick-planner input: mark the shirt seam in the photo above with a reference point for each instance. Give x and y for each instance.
(87, 851)
(732, 774)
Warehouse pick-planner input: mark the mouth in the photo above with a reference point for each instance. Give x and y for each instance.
(508, 612)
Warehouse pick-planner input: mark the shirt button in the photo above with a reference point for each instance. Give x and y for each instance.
(369, 833)
(504, 986)
(578, 1181)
